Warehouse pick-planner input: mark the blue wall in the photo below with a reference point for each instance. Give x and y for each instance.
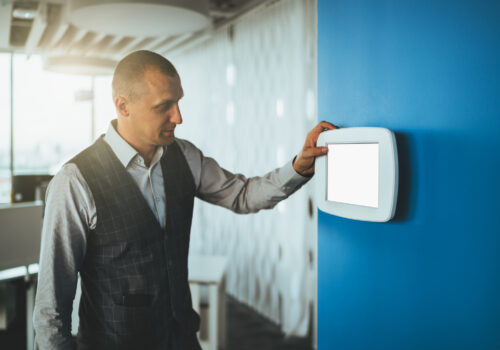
(430, 71)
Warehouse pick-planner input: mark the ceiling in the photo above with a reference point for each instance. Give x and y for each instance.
(49, 32)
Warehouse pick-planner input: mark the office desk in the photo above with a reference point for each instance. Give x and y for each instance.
(20, 236)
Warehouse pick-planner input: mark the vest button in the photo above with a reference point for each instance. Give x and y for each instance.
(170, 263)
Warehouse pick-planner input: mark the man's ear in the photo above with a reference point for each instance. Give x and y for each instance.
(121, 104)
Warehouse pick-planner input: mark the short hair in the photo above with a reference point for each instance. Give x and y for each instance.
(131, 69)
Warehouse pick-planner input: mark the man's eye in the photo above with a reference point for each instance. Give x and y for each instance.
(164, 108)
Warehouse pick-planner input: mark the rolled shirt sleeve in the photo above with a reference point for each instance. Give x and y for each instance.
(66, 222)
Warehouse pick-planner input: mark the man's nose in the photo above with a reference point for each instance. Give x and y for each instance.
(176, 116)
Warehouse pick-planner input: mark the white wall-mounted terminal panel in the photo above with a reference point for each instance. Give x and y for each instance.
(358, 178)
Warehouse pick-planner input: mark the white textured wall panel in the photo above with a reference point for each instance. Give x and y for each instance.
(249, 103)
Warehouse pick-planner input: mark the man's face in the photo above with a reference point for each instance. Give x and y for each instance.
(155, 113)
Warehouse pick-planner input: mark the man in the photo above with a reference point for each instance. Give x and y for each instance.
(119, 213)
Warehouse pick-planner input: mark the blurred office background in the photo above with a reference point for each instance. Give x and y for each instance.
(427, 70)
(249, 78)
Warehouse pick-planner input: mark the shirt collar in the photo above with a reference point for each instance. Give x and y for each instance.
(122, 149)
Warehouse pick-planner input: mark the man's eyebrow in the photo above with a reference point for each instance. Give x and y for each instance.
(166, 102)
(163, 103)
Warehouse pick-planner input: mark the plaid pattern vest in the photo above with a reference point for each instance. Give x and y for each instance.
(135, 273)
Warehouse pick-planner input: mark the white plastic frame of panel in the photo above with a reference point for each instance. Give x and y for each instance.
(381, 206)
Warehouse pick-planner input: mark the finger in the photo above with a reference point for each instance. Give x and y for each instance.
(318, 129)
(313, 135)
(327, 125)
(315, 152)
(322, 126)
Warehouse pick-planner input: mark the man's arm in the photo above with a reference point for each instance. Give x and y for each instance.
(248, 195)
(66, 222)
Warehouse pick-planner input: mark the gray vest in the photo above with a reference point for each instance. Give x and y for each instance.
(134, 274)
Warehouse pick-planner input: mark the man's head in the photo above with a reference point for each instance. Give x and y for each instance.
(146, 92)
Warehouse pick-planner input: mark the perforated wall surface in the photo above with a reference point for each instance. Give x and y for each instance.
(249, 103)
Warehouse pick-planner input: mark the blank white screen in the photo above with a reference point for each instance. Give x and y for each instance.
(353, 173)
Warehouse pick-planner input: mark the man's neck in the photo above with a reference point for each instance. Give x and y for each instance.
(146, 152)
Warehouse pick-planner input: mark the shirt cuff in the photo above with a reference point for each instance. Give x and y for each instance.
(291, 179)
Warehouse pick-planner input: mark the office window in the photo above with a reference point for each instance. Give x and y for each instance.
(4, 127)
(51, 124)
(104, 107)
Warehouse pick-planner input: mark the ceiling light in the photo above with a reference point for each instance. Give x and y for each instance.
(140, 18)
(22, 13)
(91, 66)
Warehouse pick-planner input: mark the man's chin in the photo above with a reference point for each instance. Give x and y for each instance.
(166, 139)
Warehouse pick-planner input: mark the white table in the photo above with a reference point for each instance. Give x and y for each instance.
(210, 271)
